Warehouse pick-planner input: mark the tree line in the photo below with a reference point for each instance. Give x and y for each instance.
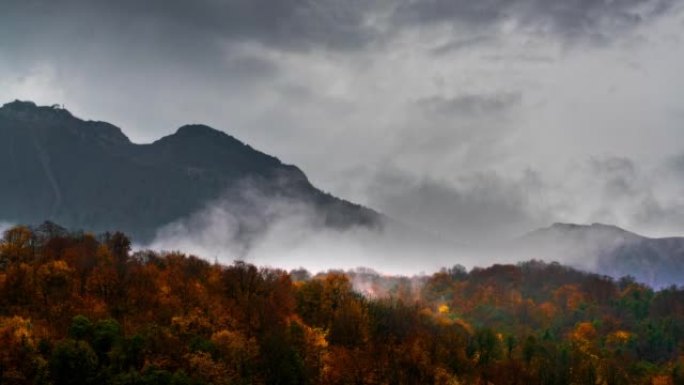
(80, 309)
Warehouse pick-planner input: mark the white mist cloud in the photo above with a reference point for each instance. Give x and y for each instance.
(286, 233)
(484, 210)
(4, 226)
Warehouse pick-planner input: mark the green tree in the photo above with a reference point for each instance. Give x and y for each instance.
(73, 363)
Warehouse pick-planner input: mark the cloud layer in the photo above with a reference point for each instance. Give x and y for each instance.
(287, 233)
(478, 120)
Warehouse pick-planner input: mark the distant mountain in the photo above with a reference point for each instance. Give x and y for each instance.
(88, 174)
(608, 250)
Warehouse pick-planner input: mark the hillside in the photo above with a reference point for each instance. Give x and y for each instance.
(82, 310)
(607, 250)
(88, 174)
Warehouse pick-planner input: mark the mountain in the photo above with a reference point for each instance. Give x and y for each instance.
(608, 250)
(89, 175)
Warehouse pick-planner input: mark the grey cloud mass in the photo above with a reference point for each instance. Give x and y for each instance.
(309, 24)
(479, 208)
(593, 19)
(287, 24)
(476, 120)
(469, 104)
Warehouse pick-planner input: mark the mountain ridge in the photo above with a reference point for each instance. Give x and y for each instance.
(88, 174)
(607, 249)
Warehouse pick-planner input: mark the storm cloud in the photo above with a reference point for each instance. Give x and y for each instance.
(477, 120)
(569, 20)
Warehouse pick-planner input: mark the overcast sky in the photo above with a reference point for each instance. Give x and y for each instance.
(474, 119)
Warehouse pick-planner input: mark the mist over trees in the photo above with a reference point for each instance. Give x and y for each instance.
(82, 309)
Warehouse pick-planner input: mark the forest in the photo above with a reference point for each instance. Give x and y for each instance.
(78, 308)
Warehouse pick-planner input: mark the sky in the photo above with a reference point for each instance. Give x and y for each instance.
(476, 120)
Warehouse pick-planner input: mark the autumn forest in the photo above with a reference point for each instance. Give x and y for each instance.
(79, 309)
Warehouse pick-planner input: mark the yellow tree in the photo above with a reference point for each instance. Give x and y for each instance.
(17, 246)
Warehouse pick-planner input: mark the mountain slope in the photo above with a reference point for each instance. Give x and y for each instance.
(86, 174)
(607, 250)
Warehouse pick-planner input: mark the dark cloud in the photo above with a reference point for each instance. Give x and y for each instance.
(470, 104)
(569, 20)
(194, 25)
(131, 43)
(188, 28)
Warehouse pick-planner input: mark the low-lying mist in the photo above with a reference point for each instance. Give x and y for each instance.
(288, 233)
(4, 226)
